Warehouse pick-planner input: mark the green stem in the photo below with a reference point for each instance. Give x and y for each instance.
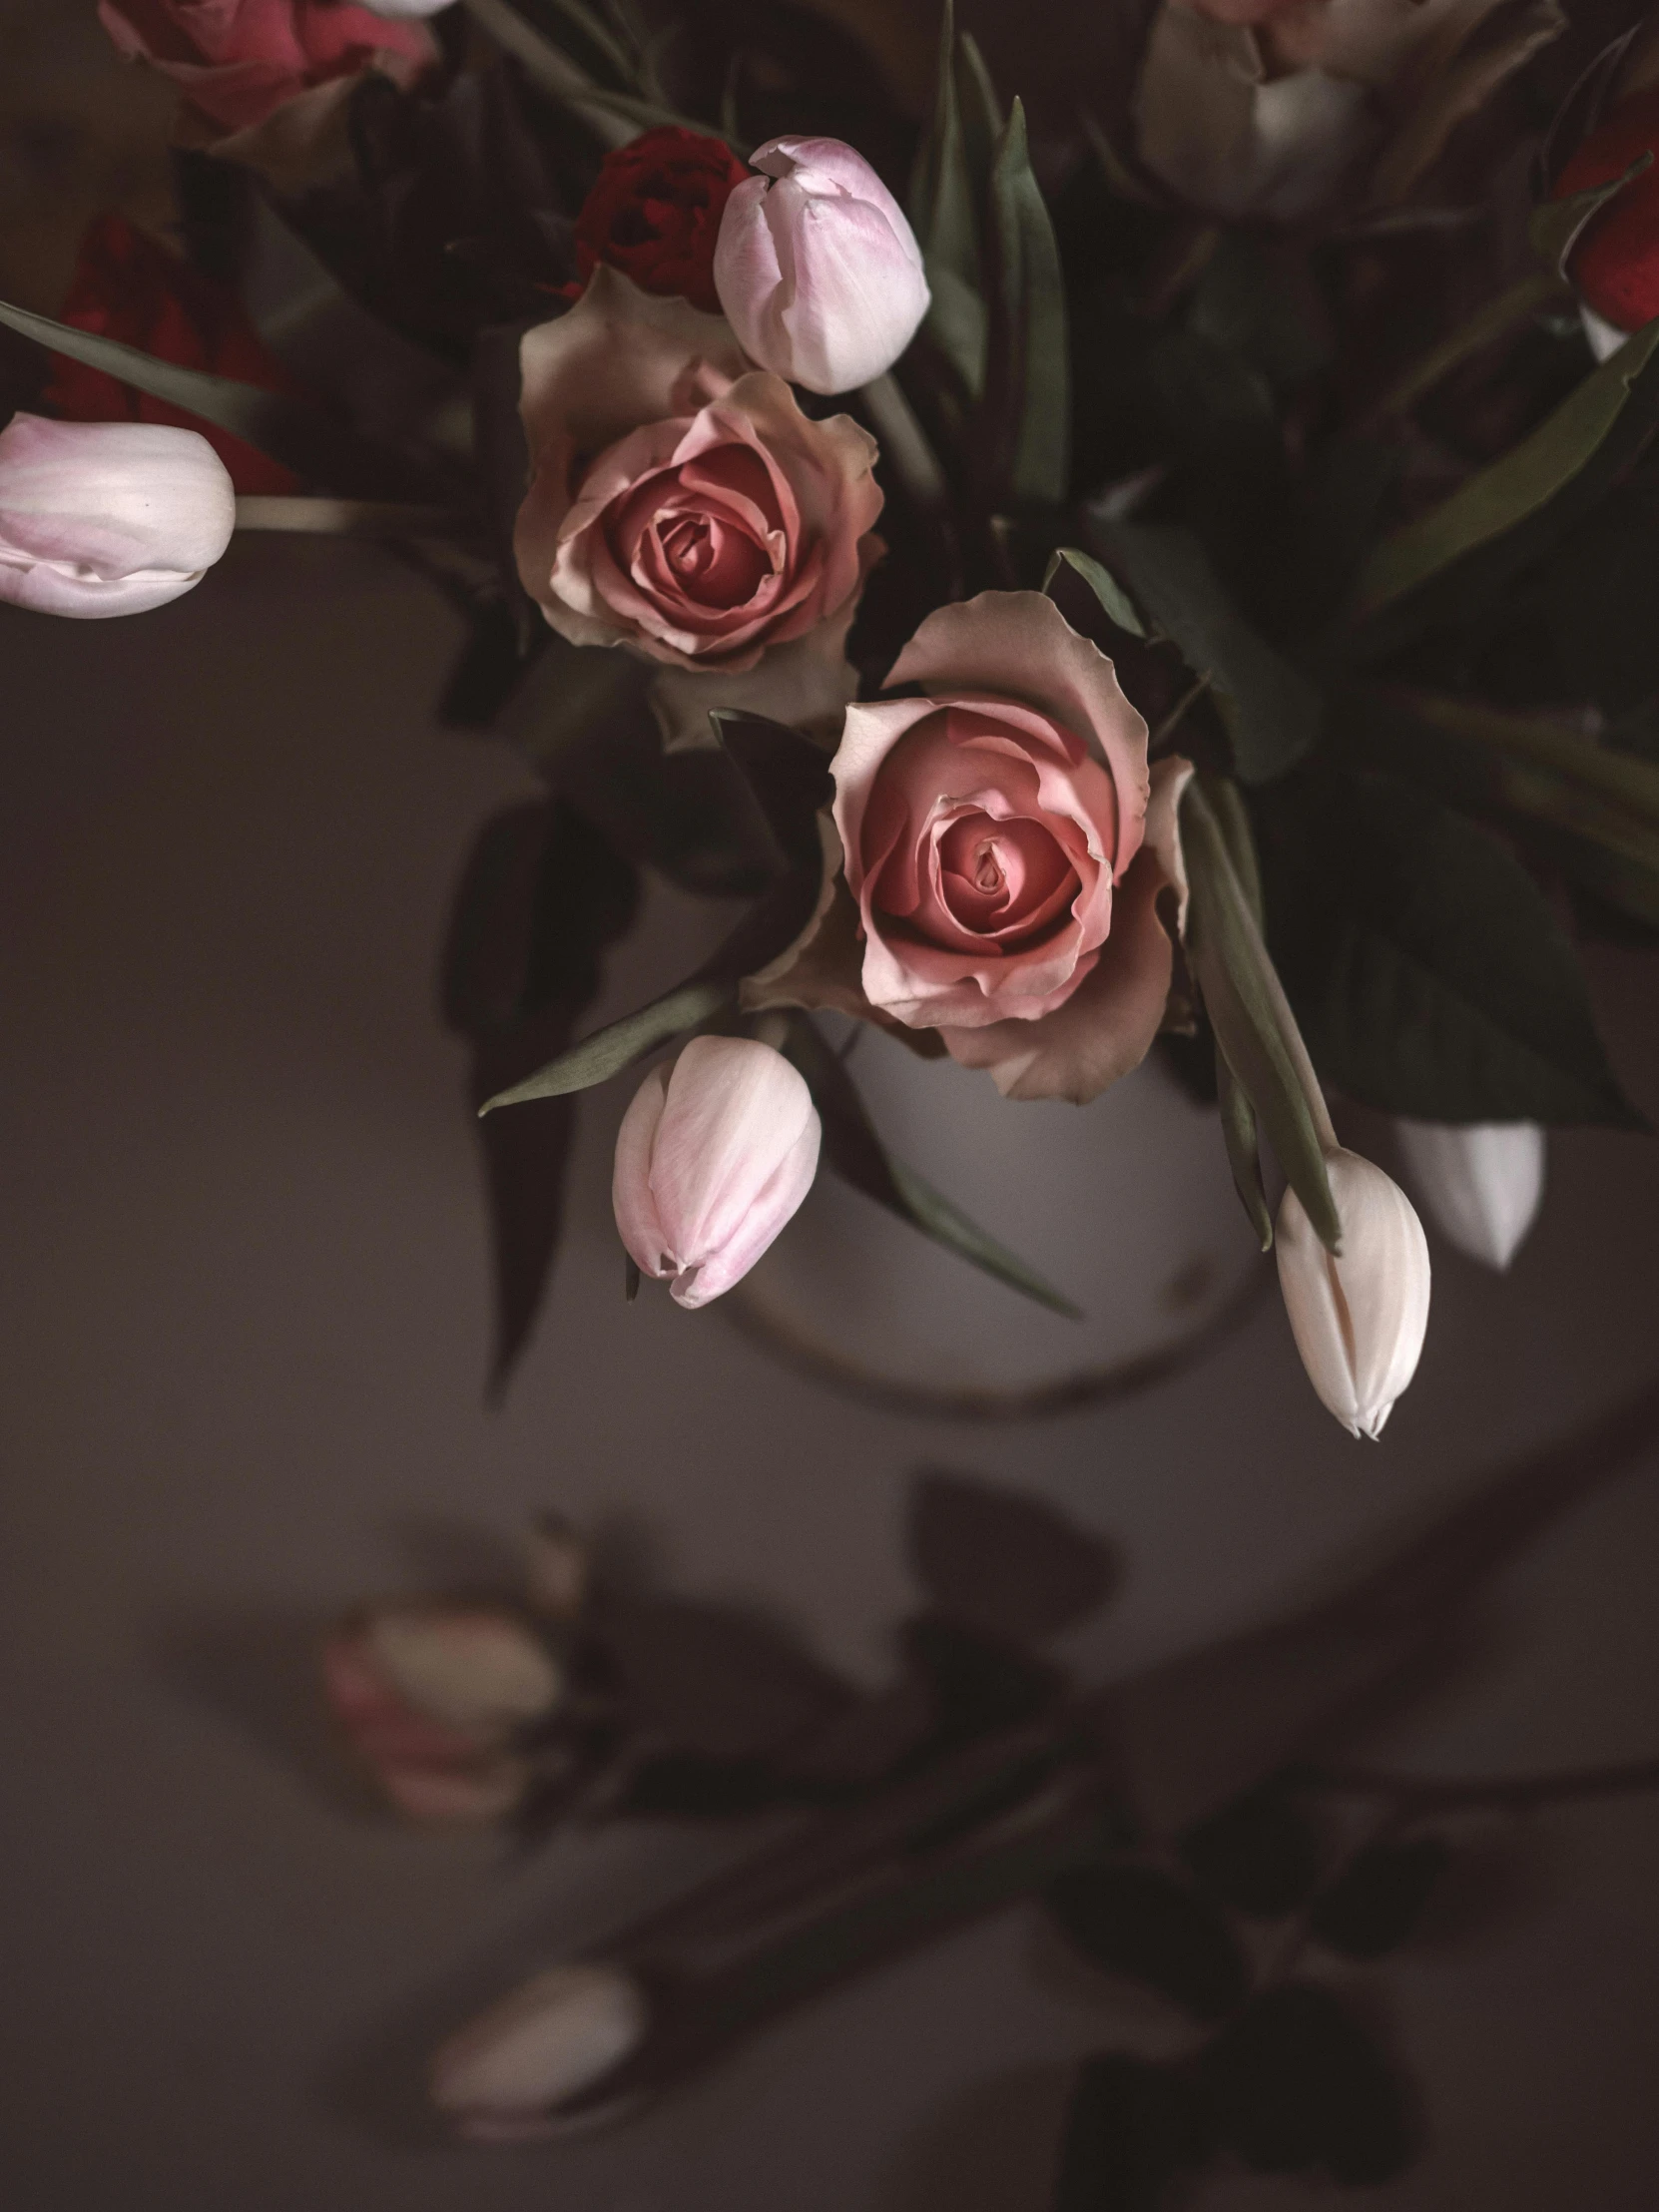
(1483, 328)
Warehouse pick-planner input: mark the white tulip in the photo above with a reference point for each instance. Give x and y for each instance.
(714, 1156)
(563, 2030)
(1359, 1318)
(108, 518)
(1481, 1183)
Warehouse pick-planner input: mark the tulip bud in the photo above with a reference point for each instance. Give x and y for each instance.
(1483, 1183)
(711, 1159)
(817, 268)
(1359, 1318)
(108, 518)
(551, 2039)
(433, 1697)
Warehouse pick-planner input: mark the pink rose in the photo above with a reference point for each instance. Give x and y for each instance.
(681, 503)
(1005, 852)
(237, 61)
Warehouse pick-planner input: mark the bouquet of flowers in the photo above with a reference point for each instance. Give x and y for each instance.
(1183, 576)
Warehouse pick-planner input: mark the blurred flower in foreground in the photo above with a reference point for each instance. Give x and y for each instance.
(1481, 1183)
(128, 286)
(1359, 1318)
(434, 1698)
(1310, 110)
(236, 62)
(714, 1156)
(549, 2039)
(816, 267)
(108, 518)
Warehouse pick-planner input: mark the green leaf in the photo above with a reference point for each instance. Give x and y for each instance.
(1242, 1136)
(1259, 301)
(1132, 2128)
(602, 44)
(788, 777)
(1027, 406)
(1254, 1025)
(1592, 435)
(852, 1148)
(1069, 568)
(1150, 1928)
(1299, 2083)
(1272, 712)
(1555, 225)
(1374, 1905)
(311, 444)
(1430, 973)
(608, 1051)
(1261, 1855)
(949, 194)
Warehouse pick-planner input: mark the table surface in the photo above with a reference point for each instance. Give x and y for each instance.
(245, 1311)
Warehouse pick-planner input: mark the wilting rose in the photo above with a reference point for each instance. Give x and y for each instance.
(1318, 108)
(681, 504)
(1004, 850)
(236, 62)
(655, 211)
(127, 287)
(433, 1697)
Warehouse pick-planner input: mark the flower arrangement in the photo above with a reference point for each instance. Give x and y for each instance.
(1181, 582)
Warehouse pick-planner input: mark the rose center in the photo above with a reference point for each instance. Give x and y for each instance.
(711, 560)
(1002, 878)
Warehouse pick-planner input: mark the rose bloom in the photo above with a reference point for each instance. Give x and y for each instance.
(127, 287)
(681, 503)
(1005, 847)
(237, 60)
(653, 213)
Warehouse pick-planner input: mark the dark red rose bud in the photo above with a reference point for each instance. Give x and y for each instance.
(1615, 263)
(653, 213)
(127, 287)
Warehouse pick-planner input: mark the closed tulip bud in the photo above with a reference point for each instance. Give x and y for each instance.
(817, 268)
(434, 1698)
(108, 518)
(711, 1159)
(1483, 1183)
(502, 2075)
(1359, 1318)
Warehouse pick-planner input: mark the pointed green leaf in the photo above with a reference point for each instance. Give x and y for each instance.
(855, 1152)
(1272, 712)
(1429, 970)
(1027, 405)
(1252, 1019)
(608, 1051)
(1241, 1135)
(318, 450)
(1594, 434)
(1115, 602)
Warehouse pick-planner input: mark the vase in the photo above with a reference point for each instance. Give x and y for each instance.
(1125, 1205)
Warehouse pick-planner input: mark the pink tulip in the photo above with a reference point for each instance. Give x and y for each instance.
(711, 1159)
(108, 518)
(817, 268)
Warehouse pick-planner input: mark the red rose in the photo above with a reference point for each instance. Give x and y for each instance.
(1615, 263)
(127, 287)
(653, 213)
